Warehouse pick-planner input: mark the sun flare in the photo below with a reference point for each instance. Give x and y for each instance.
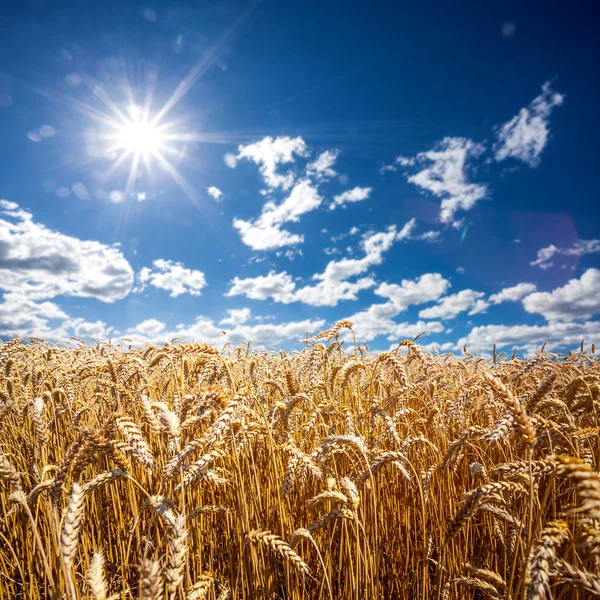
(139, 137)
(138, 134)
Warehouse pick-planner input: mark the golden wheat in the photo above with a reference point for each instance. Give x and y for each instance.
(185, 472)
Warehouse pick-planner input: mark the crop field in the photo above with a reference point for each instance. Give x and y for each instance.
(190, 472)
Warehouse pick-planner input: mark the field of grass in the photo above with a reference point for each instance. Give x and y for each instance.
(188, 472)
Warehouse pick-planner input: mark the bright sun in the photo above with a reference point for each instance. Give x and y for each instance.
(142, 138)
(139, 135)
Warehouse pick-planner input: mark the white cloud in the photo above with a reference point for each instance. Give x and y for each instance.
(39, 263)
(513, 294)
(578, 299)
(447, 175)
(544, 257)
(321, 168)
(426, 288)
(354, 195)
(336, 238)
(20, 315)
(480, 306)
(525, 136)
(399, 160)
(237, 316)
(279, 286)
(406, 161)
(429, 236)
(150, 328)
(529, 337)
(173, 277)
(451, 306)
(204, 329)
(377, 318)
(85, 329)
(579, 248)
(215, 193)
(230, 160)
(265, 233)
(291, 254)
(268, 153)
(461, 270)
(333, 285)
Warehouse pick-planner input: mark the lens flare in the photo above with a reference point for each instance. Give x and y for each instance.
(139, 136)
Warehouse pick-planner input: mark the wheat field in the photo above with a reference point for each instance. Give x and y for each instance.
(187, 472)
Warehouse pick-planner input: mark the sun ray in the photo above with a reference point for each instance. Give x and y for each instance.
(176, 175)
(133, 171)
(115, 165)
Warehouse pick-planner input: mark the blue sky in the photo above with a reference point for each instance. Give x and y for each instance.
(266, 169)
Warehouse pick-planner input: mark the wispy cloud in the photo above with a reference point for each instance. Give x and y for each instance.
(579, 248)
(322, 167)
(354, 195)
(525, 136)
(513, 294)
(446, 175)
(266, 232)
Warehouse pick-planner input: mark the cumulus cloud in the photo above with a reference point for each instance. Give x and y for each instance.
(236, 316)
(525, 136)
(578, 299)
(451, 306)
(278, 286)
(149, 329)
(39, 263)
(173, 277)
(268, 154)
(579, 248)
(98, 330)
(266, 233)
(322, 167)
(333, 283)
(446, 174)
(354, 195)
(529, 338)
(513, 294)
(20, 315)
(204, 329)
(215, 193)
(377, 319)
